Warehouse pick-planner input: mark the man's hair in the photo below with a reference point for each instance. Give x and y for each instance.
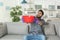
(42, 12)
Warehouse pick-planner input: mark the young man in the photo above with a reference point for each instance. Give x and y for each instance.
(36, 27)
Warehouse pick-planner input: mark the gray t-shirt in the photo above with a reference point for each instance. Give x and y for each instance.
(36, 28)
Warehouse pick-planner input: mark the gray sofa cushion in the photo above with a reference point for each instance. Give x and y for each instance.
(17, 28)
(53, 37)
(49, 29)
(13, 37)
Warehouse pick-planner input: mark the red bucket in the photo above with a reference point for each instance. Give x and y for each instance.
(28, 19)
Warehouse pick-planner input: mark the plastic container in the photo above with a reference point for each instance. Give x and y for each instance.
(28, 19)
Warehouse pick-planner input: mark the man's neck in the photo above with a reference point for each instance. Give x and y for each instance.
(39, 18)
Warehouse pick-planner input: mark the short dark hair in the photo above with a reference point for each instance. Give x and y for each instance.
(42, 12)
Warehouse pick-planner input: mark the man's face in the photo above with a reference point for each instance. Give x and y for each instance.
(39, 14)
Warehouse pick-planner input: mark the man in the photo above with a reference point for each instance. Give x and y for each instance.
(36, 28)
(37, 25)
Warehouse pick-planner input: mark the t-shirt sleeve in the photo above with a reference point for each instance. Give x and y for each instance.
(35, 20)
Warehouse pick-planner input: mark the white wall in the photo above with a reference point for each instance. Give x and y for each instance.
(4, 14)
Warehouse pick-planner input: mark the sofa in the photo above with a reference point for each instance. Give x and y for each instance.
(13, 31)
(18, 30)
(52, 30)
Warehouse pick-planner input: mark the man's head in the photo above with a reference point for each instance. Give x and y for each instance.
(40, 13)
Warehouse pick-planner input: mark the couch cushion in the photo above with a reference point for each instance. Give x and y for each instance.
(53, 38)
(49, 29)
(17, 28)
(13, 37)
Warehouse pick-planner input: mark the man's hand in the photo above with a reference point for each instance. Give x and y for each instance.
(40, 23)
